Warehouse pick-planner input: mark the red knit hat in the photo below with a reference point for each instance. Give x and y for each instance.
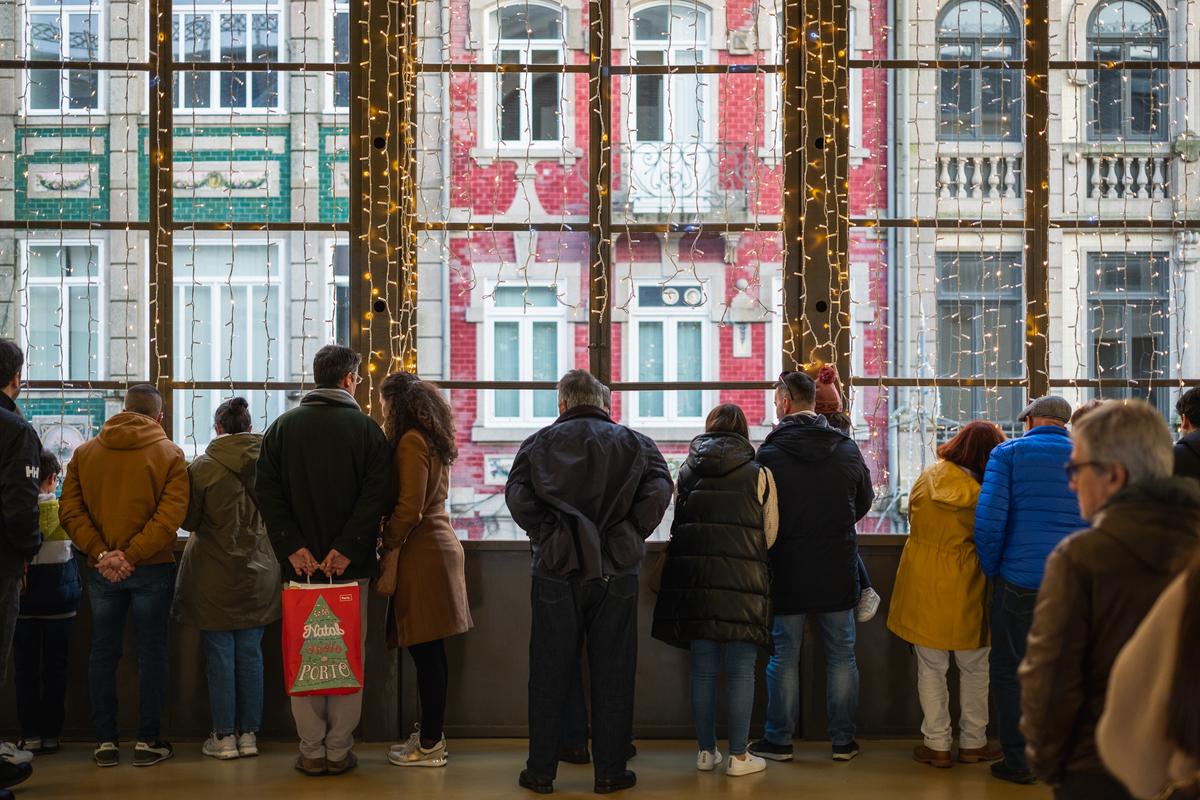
(829, 391)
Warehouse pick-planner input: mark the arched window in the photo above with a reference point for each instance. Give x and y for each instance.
(528, 106)
(671, 109)
(979, 103)
(1128, 104)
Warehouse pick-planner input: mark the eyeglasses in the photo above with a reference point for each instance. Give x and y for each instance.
(357, 379)
(1073, 467)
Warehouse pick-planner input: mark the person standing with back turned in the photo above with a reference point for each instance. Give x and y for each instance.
(322, 486)
(1025, 509)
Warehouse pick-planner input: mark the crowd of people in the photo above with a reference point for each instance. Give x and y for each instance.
(1058, 570)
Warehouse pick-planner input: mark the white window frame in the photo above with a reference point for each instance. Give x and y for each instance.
(64, 13)
(336, 7)
(671, 48)
(63, 285)
(333, 283)
(489, 102)
(526, 317)
(670, 317)
(214, 9)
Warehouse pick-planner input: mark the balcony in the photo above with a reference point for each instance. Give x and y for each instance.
(979, 178)
(1119, 179)
(682, 182)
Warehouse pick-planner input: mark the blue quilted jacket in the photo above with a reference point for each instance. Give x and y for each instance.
(1025, 507)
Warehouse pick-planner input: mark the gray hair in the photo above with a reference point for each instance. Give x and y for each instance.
(1131, 433)
(579, 388)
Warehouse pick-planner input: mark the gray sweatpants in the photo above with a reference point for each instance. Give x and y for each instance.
(326, 723)
(10, 604)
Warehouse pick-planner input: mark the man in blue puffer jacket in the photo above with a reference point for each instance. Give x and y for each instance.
(1025, 509)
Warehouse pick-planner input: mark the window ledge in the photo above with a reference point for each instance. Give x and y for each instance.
(516, 432)
(485, 156)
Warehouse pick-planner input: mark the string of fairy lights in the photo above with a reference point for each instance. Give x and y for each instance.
(685, 197)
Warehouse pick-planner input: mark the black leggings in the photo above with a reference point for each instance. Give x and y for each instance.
(433, 674)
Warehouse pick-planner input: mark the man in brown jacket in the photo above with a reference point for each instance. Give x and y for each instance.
(124, 499)
(1100, 583)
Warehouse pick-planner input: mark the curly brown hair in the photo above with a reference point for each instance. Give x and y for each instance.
(414, 403)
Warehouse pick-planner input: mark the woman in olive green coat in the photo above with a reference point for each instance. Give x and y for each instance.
(228, 584)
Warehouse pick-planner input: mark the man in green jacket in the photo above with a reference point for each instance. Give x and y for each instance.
(322, 487)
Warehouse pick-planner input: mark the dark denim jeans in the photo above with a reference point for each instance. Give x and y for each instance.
(234, 664)
(565, 613)
(838, 634)
(41, 659)
(1012, 616)
(148, 592)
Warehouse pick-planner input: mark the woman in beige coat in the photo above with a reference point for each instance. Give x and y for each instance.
(422, 560)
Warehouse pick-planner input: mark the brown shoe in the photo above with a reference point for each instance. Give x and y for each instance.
(345, 765)
(980, 755)
(934, 758)
(312, 767)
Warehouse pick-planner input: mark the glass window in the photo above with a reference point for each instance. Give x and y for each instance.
(527, 331)
(1128, 104)
(225, 35)
(669, 325)
(339, 299)
(341, 55)
(528, 107)
(979, 103)
(71, 32)
(63, 312)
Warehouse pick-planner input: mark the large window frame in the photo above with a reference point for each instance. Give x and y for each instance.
(526, 318)
(214, 88)
(63, 285)
(1129, 46)
(676, 405)
(66, 16)
(1001, 47)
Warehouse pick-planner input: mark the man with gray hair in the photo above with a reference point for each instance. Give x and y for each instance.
(1099, 584)
(588, 492)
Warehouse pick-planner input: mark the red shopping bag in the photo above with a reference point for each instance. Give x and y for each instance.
(322, 649)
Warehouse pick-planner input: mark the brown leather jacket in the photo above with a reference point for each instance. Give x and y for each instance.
(1100, 583)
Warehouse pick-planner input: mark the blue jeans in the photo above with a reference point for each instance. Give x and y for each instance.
(740, 658)
(148, 591)
(234, 663)
(841, 676)
(1012, 616)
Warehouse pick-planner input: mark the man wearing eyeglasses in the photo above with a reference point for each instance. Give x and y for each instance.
(1099, 585)
(323, 487)
(1025, 508)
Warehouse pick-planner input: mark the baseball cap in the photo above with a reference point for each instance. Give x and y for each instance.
(1050, 407)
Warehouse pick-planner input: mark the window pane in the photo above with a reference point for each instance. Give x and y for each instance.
(528, 21)
(545, 367)
(84, 333)
(265, 44)
(689, 366)
(544, 102)
(525, 296)
(83, 43)
(233, 37)
(507, 366)
(651, 364)
(510, 108)
(45, 352)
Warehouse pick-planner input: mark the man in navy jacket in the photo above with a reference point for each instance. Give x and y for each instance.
(1026, 507)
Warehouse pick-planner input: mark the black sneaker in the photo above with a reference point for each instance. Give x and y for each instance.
(107, 754)
(13, 774)
(575, 755)
(535, 783)
(1004, 772)
(631, 753)
(617, 783)
(775, 752)
(147, 754)
(845, 752)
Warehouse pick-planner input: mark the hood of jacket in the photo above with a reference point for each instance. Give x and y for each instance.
(713, 455)
(330, 396)
(238, 453)
(131, 431)
(952, 486)
(806, 438)
(1169, 508)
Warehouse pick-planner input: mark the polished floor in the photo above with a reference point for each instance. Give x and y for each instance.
(482, 769)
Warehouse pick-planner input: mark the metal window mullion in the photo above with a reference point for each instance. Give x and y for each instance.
(600, 131)
(1036, 170)
(160, 119)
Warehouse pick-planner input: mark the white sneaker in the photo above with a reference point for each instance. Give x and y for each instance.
(745, 766)
(14, 755)
(222, 747)
(707, 760)
(247, 745)
(412, 754)
(868, 605)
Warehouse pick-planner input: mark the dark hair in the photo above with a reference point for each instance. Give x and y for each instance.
(972, 445)
(729, 418)
(799, 387)
(1188, 405)
(1087, 408)
(416, 404)
(48, 465)
(839, 420)
(334, 362)
(233, 416)
(11, 361)
(1183, 708)
(144, 399)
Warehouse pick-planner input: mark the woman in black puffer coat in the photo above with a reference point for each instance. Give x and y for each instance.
(716, 587)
